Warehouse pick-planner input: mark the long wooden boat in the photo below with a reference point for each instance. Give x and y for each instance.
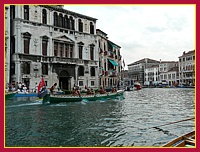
(68, 98)
(25, 95)
(9, 95)
(187, 140)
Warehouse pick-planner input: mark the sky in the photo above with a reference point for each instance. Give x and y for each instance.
(159, 32)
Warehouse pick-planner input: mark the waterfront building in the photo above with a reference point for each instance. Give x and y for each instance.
(187, 68)
(109, 61)
(136, 69)
(52, 42)
(168, 72)
(151, 74)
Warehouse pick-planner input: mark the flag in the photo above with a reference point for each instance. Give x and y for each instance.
(41, 84)
(123, 62)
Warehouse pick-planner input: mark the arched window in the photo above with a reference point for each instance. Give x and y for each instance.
(91, 28)
(60, 20)
(65, 21)
(44, 16)
(26, 12)
(55, 19)
(81, 71)
(71, 23)
(92, 71)
(80, 25)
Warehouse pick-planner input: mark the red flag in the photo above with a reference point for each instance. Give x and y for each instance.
(41, 84)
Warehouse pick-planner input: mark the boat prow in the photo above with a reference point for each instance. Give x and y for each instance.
(187, 140)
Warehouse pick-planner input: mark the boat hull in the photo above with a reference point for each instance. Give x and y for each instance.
(67, 98)
(186, 140)
(10, 95)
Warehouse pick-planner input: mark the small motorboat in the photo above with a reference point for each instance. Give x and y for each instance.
(187, 140)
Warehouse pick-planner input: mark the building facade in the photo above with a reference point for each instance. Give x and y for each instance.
(168, 72)
(137, 69)
(109, 61)
(52, 42)
(187, 68)
(151, 75)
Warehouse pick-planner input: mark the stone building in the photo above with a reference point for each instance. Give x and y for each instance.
(136, 70)
(168, 72)
(50, 41)
(151, 75)
(187, 68)
(109, 61)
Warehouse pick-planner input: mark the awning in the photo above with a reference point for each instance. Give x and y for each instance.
(114, 46)
(113, 62)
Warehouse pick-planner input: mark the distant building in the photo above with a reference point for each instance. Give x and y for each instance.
(187, 68)
(151, 75)
(137, 69)
(168, 72)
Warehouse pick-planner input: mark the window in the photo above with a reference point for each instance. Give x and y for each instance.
(80, 25)
(91, 53)
(81, 71)
(44, 68)
(26, 37)
(92, 71)
(44, 45)
(80, 49)
(26, 68)
(71, 23)
(65, 21)
(71, 51)
(44, 16)
(80, 83)
(61, 20)
(66, 50)
(55, 19)
(26, 12)
(55, 49)
(91, 28)
(61, 50)
(92, 83)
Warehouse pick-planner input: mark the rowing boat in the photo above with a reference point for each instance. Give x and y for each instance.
(68, 98)
(187, 140)
(9, 95)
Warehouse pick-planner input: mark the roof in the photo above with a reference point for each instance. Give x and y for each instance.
(192, 52)
(145, 60)
(60, 9)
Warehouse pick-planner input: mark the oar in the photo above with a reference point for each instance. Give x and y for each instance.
(157, 127)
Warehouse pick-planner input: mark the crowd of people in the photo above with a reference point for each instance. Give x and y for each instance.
(19, 87)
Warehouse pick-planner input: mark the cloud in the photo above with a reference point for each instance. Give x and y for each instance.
(154, 31)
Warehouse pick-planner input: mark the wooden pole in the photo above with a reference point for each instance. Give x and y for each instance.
(173, 122)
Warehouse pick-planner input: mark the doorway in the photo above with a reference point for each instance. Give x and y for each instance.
(63, 83)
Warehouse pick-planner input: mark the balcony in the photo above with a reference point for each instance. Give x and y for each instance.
(112, 73)
(111, 54)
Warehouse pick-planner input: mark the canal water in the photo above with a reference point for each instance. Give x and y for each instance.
(120, 122)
